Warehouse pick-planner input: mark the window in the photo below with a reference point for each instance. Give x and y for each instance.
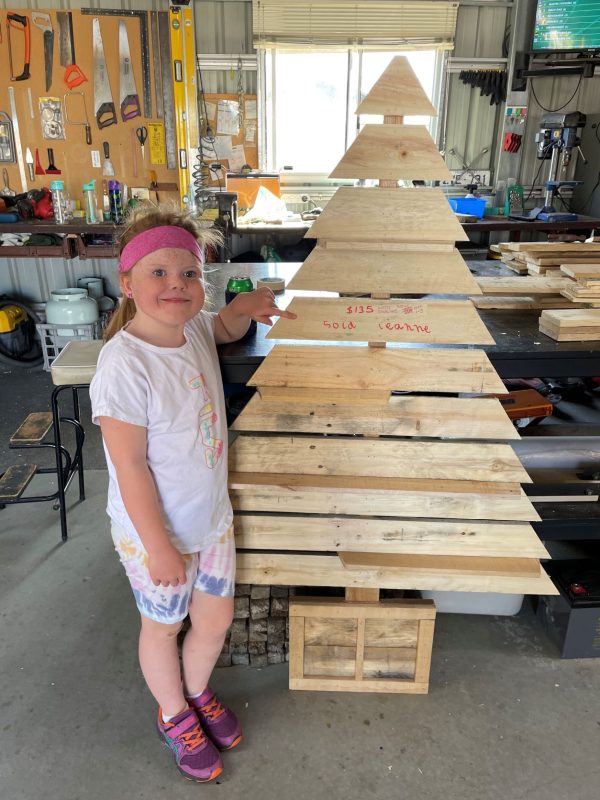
(310, 99)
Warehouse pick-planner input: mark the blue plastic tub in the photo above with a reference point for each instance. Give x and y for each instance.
(468, 205)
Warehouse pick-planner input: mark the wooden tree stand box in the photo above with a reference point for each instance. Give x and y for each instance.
(337, 645)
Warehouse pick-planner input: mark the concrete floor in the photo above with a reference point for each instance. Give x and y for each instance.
(505, 718)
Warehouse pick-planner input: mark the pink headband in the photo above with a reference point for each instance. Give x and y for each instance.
(155, 239)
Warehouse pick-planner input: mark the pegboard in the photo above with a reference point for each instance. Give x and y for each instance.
(72, 155)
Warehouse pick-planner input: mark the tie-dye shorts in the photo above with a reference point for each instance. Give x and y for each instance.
(212, 571)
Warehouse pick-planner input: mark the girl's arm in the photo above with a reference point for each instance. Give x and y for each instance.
(233, 320)
(126, 446)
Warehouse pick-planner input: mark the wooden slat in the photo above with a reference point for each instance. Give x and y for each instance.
(33, 429)
(375, 246)
(332, 608)
(331, 630)
(450, 417)
(583, 270)
(15, 480)
(317, 455)
(581, 248)
(322, 570)
(413, 370)
(397, 320)
(424, 645)
(572, 318)
(331, 660)
(520, 303)
(526, 285)
(297, 497)
(448, 565)
(296, 639)
(397, 93)
(431, 537)
(393, 152)
(366, 271)
(387, 215)
(362, 595)
(391, 633)
(333, 684)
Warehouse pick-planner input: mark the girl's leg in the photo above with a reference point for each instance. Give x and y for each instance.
(159, 661)
(210, 618)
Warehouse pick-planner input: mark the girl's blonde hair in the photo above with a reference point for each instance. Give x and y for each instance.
(144, 217)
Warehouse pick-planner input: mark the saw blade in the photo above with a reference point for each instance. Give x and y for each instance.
(128, 96)
(104, 107)
(65, 50)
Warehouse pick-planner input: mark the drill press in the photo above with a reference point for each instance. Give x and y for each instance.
(555, 141)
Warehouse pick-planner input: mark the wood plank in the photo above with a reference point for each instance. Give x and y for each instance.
(393, 152)
(322, 570)
(365, 397)
(424, 647)
(449, 417)
(559, 336)
(360, 651)
(449, 565)
(375, 685)
(391, 633)
(583, 270)
(397, 93)
(386, 610)
(294, 497)
(366, 595)
(376, 246)
(356, 214)
(331, 660)
(405, 369)
(373, 484)
(14, 481)
(388, 663)
(555, 247)
(428, 537)
(317, 455)
(520, 303)
(296, 639)
(572, 318)
(398, 320)
(396, 272)
(525, 285)
(331, 630)
(33, 429)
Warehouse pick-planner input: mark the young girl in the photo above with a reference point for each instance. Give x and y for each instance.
(158, 398)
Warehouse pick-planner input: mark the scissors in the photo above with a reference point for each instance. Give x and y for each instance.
(142, 135)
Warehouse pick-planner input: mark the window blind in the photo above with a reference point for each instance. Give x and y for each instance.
(340, 24)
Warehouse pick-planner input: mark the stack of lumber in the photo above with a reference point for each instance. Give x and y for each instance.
(522, 292)
(585, 283)
(572, 325)
(541, 258)
(416, 491)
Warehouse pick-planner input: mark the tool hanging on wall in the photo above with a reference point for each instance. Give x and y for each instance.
(73, 76)
(107, 168)
(142, 16)
(104, 107)
(512, 142)
(52, 169)
(6, 191)
(86, 123)
(29, 162)
(491, 82)
(142, 135)
(183, 55)
(39, 170)
(158, 90)
(17, 135)
(164, 37)
(7, 139)
(128, 96)
(51, 118)
(21, 24)
(43, 22)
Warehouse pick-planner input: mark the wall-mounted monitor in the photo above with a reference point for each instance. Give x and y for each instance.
(566, 25)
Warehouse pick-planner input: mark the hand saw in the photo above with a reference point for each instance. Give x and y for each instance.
(42, 21)
(66, 49)
(104, 108)
(128, 96)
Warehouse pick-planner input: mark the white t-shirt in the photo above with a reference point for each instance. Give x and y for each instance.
(175, 393)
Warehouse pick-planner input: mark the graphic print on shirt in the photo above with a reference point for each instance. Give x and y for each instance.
(213, 447)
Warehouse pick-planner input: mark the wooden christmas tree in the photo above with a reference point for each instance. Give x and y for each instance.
(376, 470)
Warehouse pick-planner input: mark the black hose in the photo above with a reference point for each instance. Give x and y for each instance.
(27, 360)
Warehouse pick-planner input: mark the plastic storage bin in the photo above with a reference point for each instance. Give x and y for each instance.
(494, 603)
(468, 205)
(53, 338)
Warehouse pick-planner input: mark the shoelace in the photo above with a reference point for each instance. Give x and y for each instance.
(193, 738)
(213, 709)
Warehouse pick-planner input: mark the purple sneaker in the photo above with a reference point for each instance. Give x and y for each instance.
(195, 755)
(219, 722)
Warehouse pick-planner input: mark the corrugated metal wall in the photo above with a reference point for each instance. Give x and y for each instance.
(224, 27)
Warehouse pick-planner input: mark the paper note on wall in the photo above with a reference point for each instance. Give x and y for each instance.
(211, 110)
(156, 142)
(237, 158)
(250, 135)
(223, 147)
(228, 117)
(250, 109)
